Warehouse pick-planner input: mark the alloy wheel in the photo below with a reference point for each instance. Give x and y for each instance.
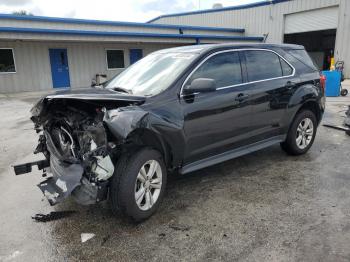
(148, 185)
(305, 132)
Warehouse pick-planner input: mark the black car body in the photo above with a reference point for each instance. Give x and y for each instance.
(226, 101)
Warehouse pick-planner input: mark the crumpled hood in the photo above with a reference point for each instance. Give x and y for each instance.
(87, 94)
(95, 94)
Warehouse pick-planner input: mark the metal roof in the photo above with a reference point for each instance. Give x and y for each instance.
(116, 23)
(128, 34)
(239, 7)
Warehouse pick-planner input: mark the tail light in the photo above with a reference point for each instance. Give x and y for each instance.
(323, 83)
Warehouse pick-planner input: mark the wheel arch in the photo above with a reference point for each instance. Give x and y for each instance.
(314, 107)
(308, 97)
(143, 137)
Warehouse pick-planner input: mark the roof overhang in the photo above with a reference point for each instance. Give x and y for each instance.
(31, 18)
(137, 35)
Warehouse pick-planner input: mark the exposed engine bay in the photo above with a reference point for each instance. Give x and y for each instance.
(76, 143)
(76, 138)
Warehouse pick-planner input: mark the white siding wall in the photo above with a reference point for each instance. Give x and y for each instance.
(342, 50)
(85, 60)
(270, 20)
(256, 21)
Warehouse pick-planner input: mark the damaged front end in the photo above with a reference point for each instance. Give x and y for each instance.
(78, 147)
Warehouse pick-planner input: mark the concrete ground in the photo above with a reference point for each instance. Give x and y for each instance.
(265, 206)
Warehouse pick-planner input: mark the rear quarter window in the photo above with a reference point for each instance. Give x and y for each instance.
(302, 56)
(286, 69)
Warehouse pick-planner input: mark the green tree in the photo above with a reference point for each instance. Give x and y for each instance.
(21, 12)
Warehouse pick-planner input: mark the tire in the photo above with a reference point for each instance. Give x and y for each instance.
(293, 145)
(126, 185)
(344, 92)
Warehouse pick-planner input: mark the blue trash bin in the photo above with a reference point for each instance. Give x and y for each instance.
(333, 80)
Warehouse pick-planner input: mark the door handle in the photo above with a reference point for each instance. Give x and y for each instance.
(289, 85)
(241, 97)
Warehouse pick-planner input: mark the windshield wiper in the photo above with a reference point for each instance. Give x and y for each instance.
(121, 89)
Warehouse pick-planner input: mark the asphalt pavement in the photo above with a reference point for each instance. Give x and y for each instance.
(266, 206)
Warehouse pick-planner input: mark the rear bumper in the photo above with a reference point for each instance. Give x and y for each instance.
(322, 107)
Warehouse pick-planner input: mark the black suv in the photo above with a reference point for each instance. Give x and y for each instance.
(178, 109)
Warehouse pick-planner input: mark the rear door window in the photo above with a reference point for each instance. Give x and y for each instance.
(224, 68)
(262, 65)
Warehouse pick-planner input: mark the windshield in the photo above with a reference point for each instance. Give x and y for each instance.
(152, 74)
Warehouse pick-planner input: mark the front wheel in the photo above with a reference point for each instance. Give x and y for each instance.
(301, 134)
(138, 184)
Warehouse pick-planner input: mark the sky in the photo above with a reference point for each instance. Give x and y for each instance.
(114, 10)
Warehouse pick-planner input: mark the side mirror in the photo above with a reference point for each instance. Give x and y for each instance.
(201, 85)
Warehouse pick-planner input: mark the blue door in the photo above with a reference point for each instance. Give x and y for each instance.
(59, 68)
(135, 55)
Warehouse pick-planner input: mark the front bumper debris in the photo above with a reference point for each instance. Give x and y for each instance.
(27, 167)
(65, 178)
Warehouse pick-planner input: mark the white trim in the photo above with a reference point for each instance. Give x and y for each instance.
(112, 49)
(14, 61)
(237, 50)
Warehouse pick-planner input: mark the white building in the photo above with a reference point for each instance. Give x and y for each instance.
(41, 53)
(322, 26)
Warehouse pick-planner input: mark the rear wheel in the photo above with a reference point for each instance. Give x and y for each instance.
(301, 134)
(138, 184)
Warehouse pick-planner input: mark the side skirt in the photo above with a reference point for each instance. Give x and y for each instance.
(244, 150)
